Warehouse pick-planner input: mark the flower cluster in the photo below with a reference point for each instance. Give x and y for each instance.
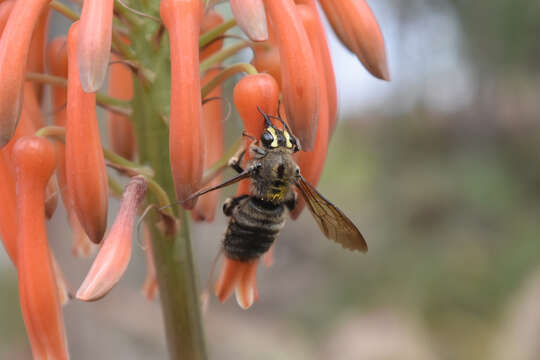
(170, 43)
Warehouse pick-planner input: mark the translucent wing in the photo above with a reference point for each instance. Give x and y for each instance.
(333, 223)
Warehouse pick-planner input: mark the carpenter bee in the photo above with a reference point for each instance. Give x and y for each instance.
(256, 219)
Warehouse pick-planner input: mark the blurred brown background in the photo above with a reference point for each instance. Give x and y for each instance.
(440, 169)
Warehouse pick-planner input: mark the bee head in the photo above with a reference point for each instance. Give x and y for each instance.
(272, 137)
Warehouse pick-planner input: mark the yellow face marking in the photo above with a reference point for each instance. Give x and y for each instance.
(288, 142)
(273, 132)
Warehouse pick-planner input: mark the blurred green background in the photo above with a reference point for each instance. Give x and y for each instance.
(441, 172)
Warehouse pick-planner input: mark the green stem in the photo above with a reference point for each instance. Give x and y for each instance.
(102, 99)
(64, 10)
(225, 74)
(213, 33)
(222, 55)
(175, 270)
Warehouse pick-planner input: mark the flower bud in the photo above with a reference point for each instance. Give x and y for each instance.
(36, 54)
(210, 20)
(86, 175)
(266, 60)
(357, 28)
(186, 144)
(252, 91)
(311, 162)
(120, 128)
(212, 118)
(57, 63)
(94, 47)
(251, 18)
(319, 34)
(14, 47)
(115, 253)
(300, 92)
(35, 160)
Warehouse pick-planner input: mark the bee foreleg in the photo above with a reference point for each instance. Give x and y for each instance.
(291, 202)
(235, 161)
(231, 203)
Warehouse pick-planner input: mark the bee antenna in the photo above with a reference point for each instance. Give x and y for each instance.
(265, 116)
(285, 126)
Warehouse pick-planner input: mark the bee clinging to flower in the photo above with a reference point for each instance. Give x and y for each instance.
(257, 218)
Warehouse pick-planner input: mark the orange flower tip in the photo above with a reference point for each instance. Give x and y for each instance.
(251, 18)
(115, 254)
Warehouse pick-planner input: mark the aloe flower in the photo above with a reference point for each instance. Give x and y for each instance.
(357, 28)
(166, 109)
(14, 48)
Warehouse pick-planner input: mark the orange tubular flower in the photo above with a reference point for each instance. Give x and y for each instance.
(266, 59)
(239, 276)
(356, 26)
(35, 160)
(186, 144)
(251, 91)
(36, 61)
(300, 92)
(312, 162)
(94, 46)
(251, 18)
(120, 128)
(322, 45)
(14, 48)
(212, 117)
(113, 257)
(86, 175)
(57, 64)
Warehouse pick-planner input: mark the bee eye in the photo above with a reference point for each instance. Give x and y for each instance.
(267, 138)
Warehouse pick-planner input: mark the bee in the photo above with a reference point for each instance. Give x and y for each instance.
(256, 219)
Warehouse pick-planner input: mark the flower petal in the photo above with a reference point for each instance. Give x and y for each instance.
(115, 253)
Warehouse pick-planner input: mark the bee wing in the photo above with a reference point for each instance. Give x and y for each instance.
(334, 224)
(246, 174)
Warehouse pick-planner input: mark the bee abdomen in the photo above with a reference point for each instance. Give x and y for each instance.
(252, 230)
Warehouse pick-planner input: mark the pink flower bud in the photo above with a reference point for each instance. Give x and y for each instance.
(115, 253)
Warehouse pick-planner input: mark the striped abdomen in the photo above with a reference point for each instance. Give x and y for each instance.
(253, 227)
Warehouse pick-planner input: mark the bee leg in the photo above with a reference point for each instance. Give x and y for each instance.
(231, 203)
(292, 201)
(235, 161)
